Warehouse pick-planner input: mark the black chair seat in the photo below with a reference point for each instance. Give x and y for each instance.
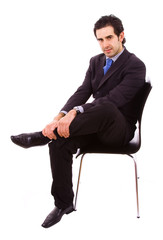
(132, 147)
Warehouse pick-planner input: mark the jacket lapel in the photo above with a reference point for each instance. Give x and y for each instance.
(101, 64)
(115, 66)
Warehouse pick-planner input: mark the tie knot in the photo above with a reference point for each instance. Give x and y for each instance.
(108, 65)
(109, 61)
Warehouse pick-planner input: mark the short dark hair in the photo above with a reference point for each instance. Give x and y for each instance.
(110, 20)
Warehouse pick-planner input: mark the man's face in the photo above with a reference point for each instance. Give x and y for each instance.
(109, 42)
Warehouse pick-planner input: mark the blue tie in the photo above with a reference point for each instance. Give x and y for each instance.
(108, 65)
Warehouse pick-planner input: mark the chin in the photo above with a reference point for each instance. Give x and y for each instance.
(109, 55)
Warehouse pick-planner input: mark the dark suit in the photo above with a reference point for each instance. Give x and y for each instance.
(109, 119)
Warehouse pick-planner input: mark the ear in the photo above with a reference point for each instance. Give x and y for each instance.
(121, 37)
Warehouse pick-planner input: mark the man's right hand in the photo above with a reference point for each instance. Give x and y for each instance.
(48, 131)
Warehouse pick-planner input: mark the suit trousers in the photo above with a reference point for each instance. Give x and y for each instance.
(99, 124)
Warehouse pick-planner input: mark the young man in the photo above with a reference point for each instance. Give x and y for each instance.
(113, 78)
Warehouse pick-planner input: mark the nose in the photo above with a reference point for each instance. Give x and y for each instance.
(105, 44)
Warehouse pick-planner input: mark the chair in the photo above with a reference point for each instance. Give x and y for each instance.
(130, 149)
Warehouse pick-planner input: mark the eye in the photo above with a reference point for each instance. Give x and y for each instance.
(109, 37)
(100, 40)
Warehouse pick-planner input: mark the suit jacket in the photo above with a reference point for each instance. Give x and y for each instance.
(119, 85)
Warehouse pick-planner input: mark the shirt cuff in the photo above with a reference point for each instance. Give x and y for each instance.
(81, 109)
(64, 112)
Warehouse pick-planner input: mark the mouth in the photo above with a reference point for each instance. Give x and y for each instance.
(108, 50)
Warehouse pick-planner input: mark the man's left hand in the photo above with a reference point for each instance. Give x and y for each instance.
(64, 124)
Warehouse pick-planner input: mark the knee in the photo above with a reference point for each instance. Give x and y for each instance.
(106, 110)
(110, 108)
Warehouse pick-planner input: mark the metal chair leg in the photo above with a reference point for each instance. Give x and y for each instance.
(136, 183)
(137, 195)
(77, 189)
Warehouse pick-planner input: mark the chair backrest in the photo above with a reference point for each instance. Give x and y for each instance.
(142, 97)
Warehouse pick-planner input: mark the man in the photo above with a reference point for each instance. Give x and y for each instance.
(113, 78)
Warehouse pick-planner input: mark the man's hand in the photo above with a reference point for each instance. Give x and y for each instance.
(61, 123)
(64, 124)
(48, 131)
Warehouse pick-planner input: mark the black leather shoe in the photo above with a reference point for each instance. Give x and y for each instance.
(27, 140)
(55, 216)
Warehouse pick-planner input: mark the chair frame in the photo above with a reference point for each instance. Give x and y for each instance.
(131, 154)
(136, 181)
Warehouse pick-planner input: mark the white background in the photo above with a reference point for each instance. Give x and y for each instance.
(45, 47)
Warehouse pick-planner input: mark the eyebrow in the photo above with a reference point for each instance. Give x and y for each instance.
(105, 37)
